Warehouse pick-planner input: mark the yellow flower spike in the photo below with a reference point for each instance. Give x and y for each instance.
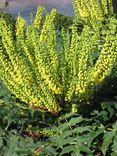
(20, 33)
(105, 6)
(52, 47)
(44, 63)
(47, 24)
(10, 80)
(110, 5)
(39, 17)
(97, 13)
(18, 60)
(92, 11)
(84, 62)
(76, 5)
(20, 25)
(108, 55)
(33, 96)
(84, 10)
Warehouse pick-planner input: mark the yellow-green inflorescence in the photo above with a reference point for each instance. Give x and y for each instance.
(108, 54)
(92, 11)
(48, 68)
(24, 68)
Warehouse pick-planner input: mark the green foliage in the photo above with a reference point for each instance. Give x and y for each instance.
(15, 120)
(79, 136)
(8, 18)
(29, 132)
(63, 21)
(16, 145)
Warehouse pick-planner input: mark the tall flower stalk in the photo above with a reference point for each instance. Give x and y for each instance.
(49, 69)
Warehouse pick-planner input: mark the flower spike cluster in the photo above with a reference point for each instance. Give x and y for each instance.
(92, 11)
(24, 69)
(49, 69)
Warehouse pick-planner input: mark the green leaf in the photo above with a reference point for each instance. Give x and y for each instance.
(1, 101)
(93, 135)
(82, 138)
(65, 142)
(105, 105)
(114, 146)
(115, 126)
(62, 139)
(67, 150)
(64, 126)
(107, 141)
(66, 134)
(1, 141)
(76, 120)
(111, 111)
(80, 129)
(114, 154)
(51, 150)
(84, 148)
(3, 92)
(67, 116)
(115, 105)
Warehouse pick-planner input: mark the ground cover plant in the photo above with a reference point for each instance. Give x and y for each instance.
(51, 70)
(27, 132)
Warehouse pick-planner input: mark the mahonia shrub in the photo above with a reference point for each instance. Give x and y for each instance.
(51, 69)
(93, 12)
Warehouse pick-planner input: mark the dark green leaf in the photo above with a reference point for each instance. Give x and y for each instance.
(84, 148)
(93, 135)
(65, 142)
(114, 146)
(76, 120)
(64, 126)
(80, 129)
(67, 150)
(107, 141)
(1, 141)
(51, 150)
(66, 116)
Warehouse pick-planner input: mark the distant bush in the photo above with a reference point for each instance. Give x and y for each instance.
(7, 17)
(63, 21)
